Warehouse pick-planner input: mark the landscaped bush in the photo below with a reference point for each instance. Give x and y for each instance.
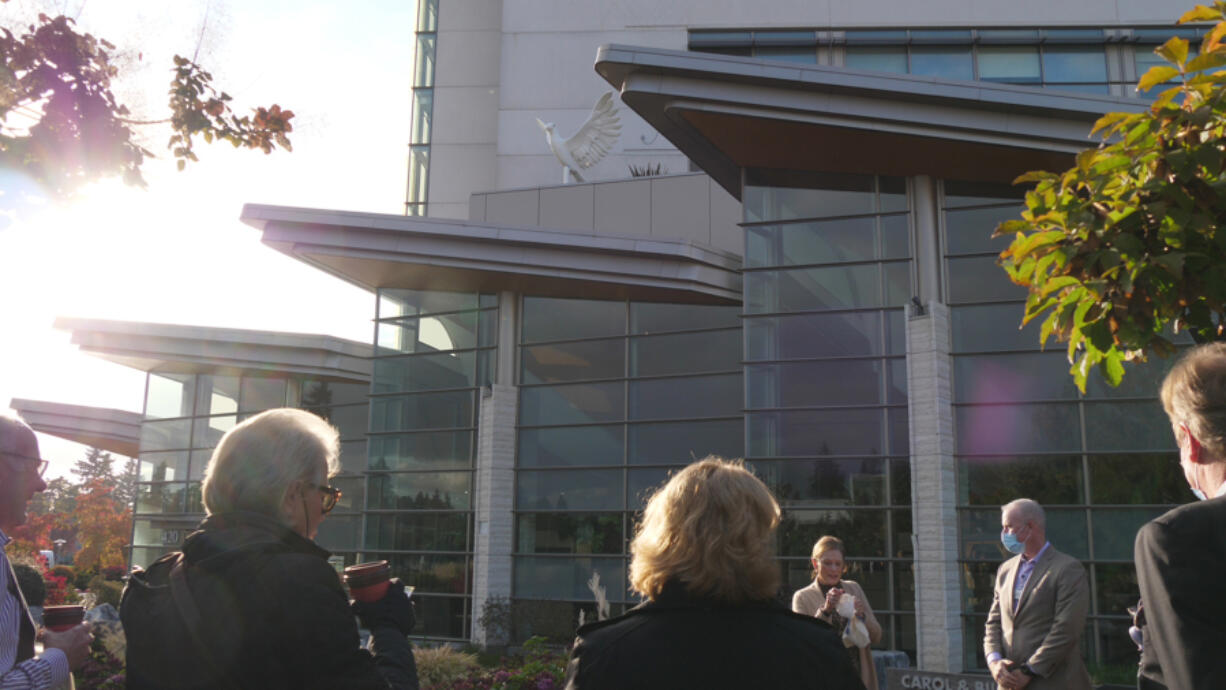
(59, 590)
(115, 573)
(65, 571)
(439, 666)
(539, 668)
(81, 581)
(31, 583)
(105, 591)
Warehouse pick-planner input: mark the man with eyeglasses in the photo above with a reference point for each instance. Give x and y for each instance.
(21, 471)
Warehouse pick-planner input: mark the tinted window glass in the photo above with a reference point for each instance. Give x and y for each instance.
(425, 372)
(684, 442)
(572, 404)
(696, 396)
(569, 490)
(584, 360)
(847, 481)
(421, 451)
(877, 58)
(1019, 377)
(653, 317)
(836, 287)
(570, 446)
(1138, 478)
(1013, 63)
(811, 384)
(1063, 64)
(1004, 429)
(683, 353)
(423, 411)
(813, 335)
(994, 481)
(969, 231)
(550, 318)
(417, 531)
(420, 491)
(569, 533)
(810, 433)
(945, 62)
(980, 279)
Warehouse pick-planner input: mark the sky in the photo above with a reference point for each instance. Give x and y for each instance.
(176, 252)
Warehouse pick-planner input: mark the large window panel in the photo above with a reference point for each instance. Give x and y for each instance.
(1129, 479)
(980, 532)
(429, 333)
(569, 533)
(430, 573)
(840, 195)
(572, 404)
(425, 372)
(684, 442)
(170, 395)
(685, 353)
(694, 396)
(846, 481)
(996, 480)
(944, 62)
(1020, 377)
(440, 616)
(833, 287)
(339, 532)
(576, 361)
(863, 531)
(552, 318)
(417, 531)
(1074, 64)
(164, 466)
(438, 450)
(812, 384)
(969, 231)
(660, 317)
(395, 302)
(167, 434)
(813, 335)
(571, 446)
(422, 411)
(570, 490)
(812, 432)
(980, 279)
(1127, 425)
(993, 328)
(1017, 64)
(421, 491)
(541, 577)
(891, 59)
(801, 244)
(644, 482)
(257, 393)
(1005, 429)
(1115, 531)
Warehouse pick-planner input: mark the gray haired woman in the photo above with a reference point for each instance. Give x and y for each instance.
(268, 609)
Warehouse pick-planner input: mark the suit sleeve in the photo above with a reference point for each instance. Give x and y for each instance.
(1072, 605)
(993, 638)
(1174, 579)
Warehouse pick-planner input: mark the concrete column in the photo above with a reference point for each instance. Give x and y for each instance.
(494, 502)
(934, 489)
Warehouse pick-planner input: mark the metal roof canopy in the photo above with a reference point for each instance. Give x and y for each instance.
(728, 114)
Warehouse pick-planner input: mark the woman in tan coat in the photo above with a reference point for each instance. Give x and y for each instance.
(822, 597)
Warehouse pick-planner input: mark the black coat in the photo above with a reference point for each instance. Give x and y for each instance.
(273, 615)
(681, 641)
(1181, 570)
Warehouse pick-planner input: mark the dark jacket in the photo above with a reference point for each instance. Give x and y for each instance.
(682, 641)
(272, 611)
(1181, 568)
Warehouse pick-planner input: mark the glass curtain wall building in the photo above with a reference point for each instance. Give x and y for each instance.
(186, 414)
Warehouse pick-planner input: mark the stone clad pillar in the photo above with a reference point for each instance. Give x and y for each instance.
(493, 504)
(934, 489)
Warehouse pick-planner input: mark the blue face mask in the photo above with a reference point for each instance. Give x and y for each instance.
(1200, 495)
(1011, 542)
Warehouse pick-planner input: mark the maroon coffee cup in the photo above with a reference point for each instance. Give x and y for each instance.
(61, 618)
(368, 581)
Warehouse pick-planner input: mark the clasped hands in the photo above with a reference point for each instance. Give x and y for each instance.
(1006, 678)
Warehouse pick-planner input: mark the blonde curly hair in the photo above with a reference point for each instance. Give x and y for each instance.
(711, 527)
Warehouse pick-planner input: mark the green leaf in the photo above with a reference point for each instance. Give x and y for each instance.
(1057, 283)
(1206, 61)
(1158, 74)
(1108, 120)
(1175, 50)
(1112, 367)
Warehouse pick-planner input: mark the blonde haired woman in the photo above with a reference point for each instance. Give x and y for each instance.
(703, 557)
(821, 598)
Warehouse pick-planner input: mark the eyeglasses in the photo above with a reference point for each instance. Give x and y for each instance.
(331, 496)
(39, 465)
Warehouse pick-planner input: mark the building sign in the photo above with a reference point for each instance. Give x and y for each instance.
(912, 679)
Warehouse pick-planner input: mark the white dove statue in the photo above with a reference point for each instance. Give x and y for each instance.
(591, 143)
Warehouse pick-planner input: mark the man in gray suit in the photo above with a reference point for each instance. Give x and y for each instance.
(1032, 638)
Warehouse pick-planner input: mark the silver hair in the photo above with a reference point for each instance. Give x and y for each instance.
(1027, 509)
(257, 461)
(11, 426)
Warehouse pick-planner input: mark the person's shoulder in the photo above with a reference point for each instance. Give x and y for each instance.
(1190, 514)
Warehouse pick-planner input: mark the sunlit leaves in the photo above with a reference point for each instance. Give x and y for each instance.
(61, 125)
(1123, 250)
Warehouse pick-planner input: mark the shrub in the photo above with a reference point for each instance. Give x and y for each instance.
(540, 668)
(443, 665)
(31, 583)
(81, 581)
(105, 591)
(67, 572)
(58, 590)
(115, 573)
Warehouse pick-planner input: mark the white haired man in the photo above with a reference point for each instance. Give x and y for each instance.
(1181, 556)
(21, 471)
(1033, 634)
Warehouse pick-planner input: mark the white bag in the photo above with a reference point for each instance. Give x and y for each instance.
(855, 633)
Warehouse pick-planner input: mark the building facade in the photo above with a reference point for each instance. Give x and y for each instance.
(819, 296)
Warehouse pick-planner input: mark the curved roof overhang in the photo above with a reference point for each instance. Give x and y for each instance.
(230, 351)
(117, 431)
(730, 114)
(377, 250)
